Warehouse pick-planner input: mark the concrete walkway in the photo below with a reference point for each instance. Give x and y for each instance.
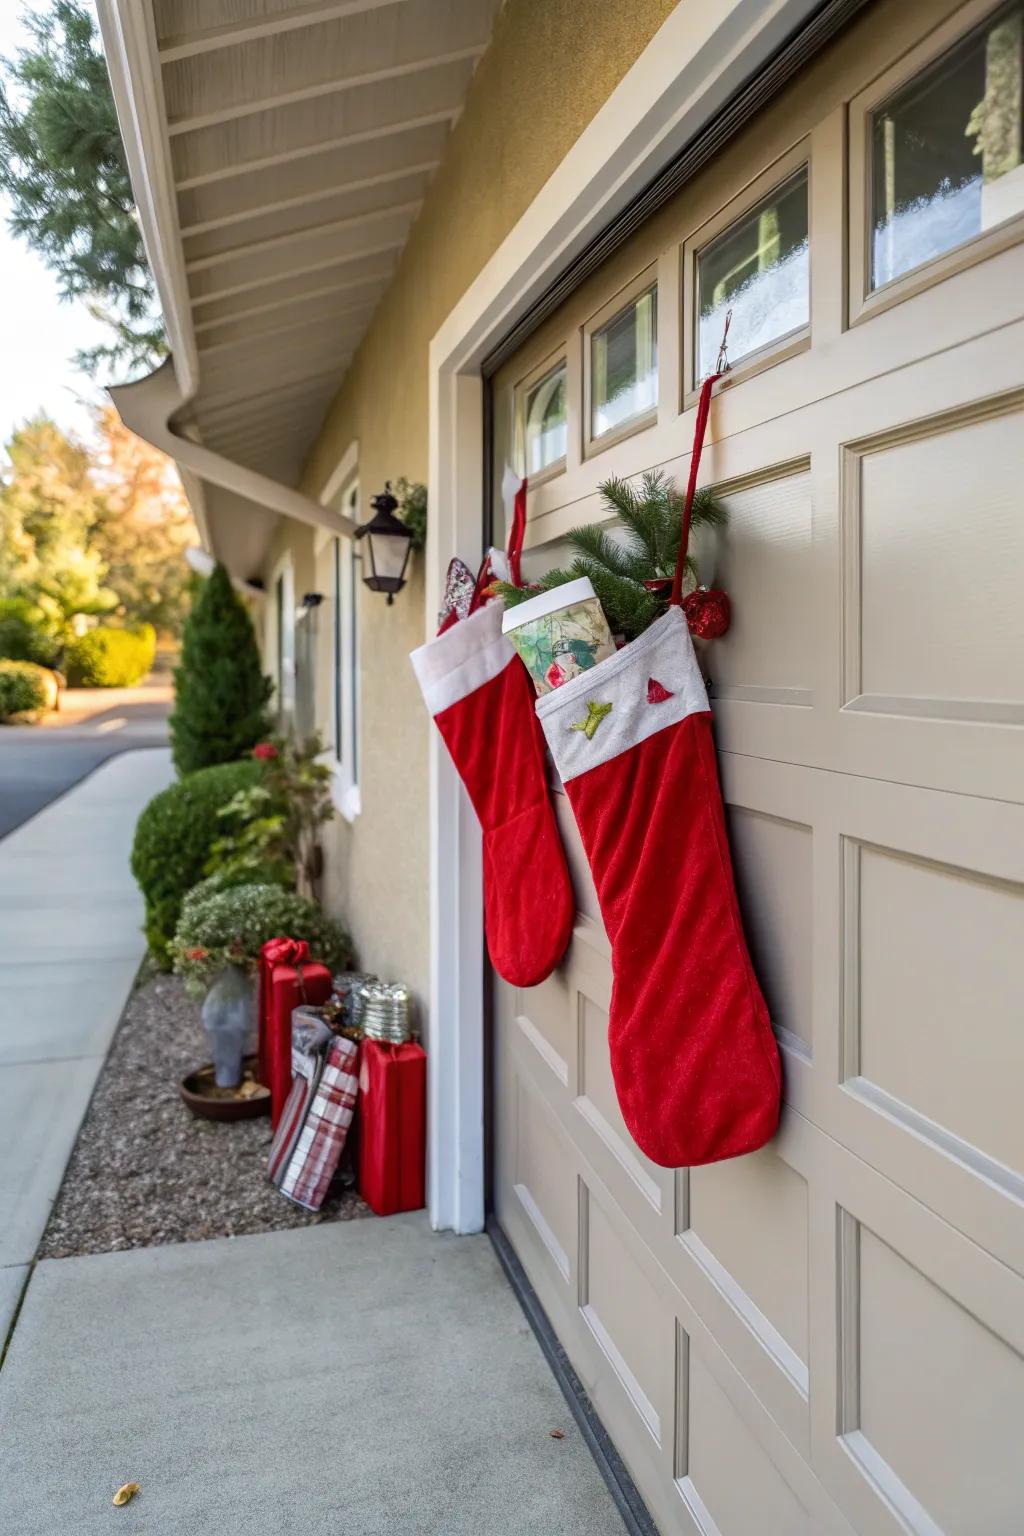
(70, 944)
(362, 1377)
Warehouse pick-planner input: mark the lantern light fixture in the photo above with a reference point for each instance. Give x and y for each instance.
(389, 542)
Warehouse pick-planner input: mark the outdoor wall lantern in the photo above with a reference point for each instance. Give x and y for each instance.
(390, 542)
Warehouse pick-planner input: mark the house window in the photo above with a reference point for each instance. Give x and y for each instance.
(542, 420)
(945, 161)
(624, 366)
(759, 268)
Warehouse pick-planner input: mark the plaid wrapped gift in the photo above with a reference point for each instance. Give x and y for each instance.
(310, 1039)
(321, 1141)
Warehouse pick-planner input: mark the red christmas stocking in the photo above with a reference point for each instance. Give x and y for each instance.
(481, 697)
(693, 1054)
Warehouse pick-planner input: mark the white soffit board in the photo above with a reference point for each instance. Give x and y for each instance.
(280, 153)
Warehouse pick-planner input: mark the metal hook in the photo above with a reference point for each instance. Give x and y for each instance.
(723, 364)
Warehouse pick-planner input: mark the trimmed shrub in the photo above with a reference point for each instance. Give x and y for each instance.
(220, 691)
(172, 844)
(230, 929)
(229, 880)
(22, 689)
(23, 633)
(110, 658)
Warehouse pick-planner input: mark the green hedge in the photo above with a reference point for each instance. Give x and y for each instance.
(22, 689)
(23, 633)
(110, 658)
(172, 843)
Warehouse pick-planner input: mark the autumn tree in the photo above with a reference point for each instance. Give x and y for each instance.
(50, 507)
(93, 530)
(143, 528)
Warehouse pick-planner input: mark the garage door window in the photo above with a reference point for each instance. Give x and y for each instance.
(623, 366)
(542, 426)
(758, 267)
(945, 151)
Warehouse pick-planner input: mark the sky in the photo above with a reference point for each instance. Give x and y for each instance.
(39, 333)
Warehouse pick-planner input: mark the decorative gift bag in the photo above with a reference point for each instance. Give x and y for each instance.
(310, 1039)
(693, 1054)
(317, 1150)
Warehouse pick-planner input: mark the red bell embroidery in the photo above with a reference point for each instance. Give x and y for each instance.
(657, 693)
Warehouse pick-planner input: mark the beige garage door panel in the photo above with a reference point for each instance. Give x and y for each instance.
(826, 1336)
(922, 646)
(938, 1000)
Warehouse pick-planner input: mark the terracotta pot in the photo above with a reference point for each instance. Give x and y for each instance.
(207, 1102)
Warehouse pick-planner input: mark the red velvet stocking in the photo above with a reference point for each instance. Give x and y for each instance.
(480, 695)
(693, 1053)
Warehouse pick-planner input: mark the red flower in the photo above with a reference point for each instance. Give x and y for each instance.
(197, 954)
(265, 752)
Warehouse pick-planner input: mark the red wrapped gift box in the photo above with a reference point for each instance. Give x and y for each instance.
(288, 977)
(392, 1127)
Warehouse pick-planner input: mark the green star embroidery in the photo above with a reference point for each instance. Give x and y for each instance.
(595, 714)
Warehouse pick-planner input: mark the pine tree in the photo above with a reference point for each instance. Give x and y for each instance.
(221, 693)
(630, 574)
(63, 167)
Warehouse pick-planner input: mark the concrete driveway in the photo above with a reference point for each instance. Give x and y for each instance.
(368, 1377)
(40, 762)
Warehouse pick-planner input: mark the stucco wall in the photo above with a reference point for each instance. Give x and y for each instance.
(550, 66)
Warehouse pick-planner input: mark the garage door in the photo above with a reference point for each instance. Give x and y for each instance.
(827, 1335)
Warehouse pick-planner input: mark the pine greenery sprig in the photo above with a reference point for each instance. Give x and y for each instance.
(651, 513)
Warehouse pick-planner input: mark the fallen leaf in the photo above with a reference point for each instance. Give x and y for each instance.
(557, 1434)
(125, 1492)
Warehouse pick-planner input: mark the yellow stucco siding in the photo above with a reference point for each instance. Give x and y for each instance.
(550, 65)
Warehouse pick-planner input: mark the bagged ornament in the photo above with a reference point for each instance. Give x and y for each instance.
(559, 633)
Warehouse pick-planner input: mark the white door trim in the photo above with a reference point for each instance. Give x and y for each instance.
(693, 64)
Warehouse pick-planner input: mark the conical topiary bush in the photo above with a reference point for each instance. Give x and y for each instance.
(220, 691)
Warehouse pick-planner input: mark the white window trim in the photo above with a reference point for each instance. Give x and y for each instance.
(341, 485)
(683, 77)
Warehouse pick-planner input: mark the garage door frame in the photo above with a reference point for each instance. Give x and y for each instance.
(664, 119)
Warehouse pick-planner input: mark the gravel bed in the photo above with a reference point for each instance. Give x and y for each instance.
(144, 1171)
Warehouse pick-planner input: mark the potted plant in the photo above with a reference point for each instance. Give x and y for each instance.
(216, 948)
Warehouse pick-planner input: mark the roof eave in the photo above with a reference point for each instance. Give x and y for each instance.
(130, 45)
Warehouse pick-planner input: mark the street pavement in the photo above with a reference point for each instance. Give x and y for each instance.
(40, 762)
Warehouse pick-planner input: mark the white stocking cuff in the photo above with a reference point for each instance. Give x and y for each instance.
(653, 682)
(457, 663)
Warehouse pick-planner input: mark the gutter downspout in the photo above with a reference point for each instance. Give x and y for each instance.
(147, 408)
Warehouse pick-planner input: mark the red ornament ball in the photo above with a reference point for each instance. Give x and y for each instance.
(708, 612)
